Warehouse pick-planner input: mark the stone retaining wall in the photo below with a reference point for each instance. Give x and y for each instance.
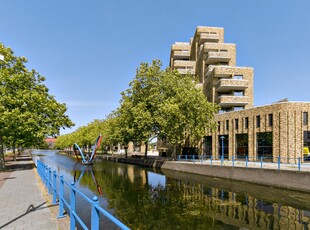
(294, 180)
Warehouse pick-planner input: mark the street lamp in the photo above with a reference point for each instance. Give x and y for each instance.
(222, 137)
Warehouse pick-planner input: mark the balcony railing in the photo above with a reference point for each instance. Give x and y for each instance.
(181, 54)
(230, 100)
(186, 71)
(204, 37)
(215, 57)
(231, 84)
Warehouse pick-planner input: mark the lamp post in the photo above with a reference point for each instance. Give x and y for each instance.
(222, 137)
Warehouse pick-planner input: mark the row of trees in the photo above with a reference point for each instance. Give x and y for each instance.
(28, 113)
(160, 104)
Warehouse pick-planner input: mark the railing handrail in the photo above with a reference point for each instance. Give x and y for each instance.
(257, 161)
(51, 184)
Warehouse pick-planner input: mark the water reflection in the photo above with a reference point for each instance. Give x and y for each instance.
(146, 199)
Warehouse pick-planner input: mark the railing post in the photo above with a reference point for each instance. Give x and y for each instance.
(233, 160)
(45, 175)
(54, 187)
(246, 161)
(49, 180)
(261, 162)
(222, 159)
(94, 214)
(298, 163)
(278, 162)
(61, 197)
(72, 206)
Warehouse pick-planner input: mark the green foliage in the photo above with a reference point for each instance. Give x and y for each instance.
(28, 113)
(158, 104)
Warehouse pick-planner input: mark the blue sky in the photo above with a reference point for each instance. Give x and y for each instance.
(89, 50)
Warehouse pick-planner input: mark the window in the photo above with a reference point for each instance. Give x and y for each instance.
(236, 123)
(246, 123)
(218, 126)
(238, 77)
(238, 108)
(227, 124)
(238, 93)
(257, 121)
(270, 119)
(305, 118)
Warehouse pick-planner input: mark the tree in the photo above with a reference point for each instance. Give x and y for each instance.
(28, 113)
(165, 104)
(139, 105)
(183, 112)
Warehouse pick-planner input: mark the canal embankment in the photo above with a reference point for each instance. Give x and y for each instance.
(287, 177)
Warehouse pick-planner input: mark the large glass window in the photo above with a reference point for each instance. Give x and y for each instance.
(223, 146)
(307, 145)
(242, 145)
(264, 145)
(208, 145)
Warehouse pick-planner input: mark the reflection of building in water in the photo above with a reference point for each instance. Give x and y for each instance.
(136, 175)
(244, 211)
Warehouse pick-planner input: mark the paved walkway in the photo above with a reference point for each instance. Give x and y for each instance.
(24, 201)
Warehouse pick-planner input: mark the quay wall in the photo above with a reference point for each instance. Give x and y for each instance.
(295, 180)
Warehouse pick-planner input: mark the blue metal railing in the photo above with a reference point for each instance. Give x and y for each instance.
(50, 178)
(277, 162)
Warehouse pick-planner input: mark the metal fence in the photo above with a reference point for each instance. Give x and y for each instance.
(55, 185)
(284, 163)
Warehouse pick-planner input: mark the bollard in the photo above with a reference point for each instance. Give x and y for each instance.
(185, 157)
(278, 162)
(222, 160)
(72, 206)
(193, 159)
(61, 197)
(261, 162)
(298, 163)
(201, 159)
(179, 157)
(246, 161)
(54, 187)
(94, 214)
(211, 159)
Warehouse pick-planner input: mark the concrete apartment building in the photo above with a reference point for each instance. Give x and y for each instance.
(277, 130)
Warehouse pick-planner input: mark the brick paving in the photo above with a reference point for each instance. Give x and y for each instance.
(25, 203)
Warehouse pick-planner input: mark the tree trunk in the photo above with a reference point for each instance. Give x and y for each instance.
(145, 153)
(126, 149)
(2, 162)
(14, 153)
(176, 151)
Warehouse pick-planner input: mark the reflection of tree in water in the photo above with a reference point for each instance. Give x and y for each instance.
(186, 205)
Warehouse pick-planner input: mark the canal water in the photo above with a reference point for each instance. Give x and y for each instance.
(144, 198)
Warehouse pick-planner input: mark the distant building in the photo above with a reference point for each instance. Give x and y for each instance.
(50, 141)
(279, 129)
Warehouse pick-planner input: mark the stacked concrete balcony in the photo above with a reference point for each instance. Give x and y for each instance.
(214, 63)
